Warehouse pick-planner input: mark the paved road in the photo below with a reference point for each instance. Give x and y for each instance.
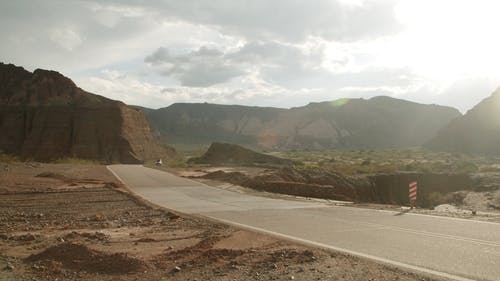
(456, 248)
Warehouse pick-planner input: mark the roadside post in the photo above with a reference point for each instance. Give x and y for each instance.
(413, 194)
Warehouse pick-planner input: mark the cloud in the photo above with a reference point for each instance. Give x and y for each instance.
(66, 38)
(467, 92)
(121, 86)
(292, 67)
(259, 52)
(131, 89)
(200, 68)
(286, 20)
(273, 61)
(287, 65)
(72, 36)
(228, 40)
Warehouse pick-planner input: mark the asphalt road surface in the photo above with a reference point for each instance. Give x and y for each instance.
(455, 248)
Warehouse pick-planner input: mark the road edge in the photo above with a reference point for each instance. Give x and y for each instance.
(308, 242)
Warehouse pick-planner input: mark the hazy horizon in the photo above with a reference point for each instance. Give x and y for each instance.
(261, 53)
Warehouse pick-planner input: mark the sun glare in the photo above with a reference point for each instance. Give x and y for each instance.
(447, 39)
(339, 102)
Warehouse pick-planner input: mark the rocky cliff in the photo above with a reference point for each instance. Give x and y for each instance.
(45, 116)
(478, 131)
(380, 122)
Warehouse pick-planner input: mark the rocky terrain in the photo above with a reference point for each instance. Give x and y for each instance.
(77, 222)
(444, 183)
(232, 154)
(45, 116)
(376, 188)
(464, 196)
(478, 131)
(379, 122)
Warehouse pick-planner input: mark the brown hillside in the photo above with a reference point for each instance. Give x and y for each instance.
(478, 131)
(232, 154)
(45, 116)
(376, 123)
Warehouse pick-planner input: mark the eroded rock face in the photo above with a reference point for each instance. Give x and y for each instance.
(45, 116)
(375, 123)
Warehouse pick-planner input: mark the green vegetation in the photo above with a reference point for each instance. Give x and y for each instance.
(392, 160)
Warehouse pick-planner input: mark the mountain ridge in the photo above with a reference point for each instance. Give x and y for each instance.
(343, 123)
(478, 131)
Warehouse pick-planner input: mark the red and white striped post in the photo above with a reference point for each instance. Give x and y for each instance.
(413, 193)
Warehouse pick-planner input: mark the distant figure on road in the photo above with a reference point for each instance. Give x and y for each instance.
(158, 162)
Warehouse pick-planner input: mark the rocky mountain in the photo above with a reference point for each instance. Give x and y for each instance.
(232, 154)
(478, 131)
(205, 123)
(379, 122)
(45, 116)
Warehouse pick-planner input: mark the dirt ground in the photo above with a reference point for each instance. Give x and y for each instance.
(77, 222)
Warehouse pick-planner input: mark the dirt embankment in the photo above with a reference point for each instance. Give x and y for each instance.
(433, 189)
(76, 222)
(232, 154)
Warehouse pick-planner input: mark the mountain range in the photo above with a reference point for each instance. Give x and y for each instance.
(45, 116)
(376, 123)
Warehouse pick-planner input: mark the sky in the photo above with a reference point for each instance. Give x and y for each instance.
(281, 53)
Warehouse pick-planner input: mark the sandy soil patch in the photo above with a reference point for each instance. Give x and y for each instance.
(76, 222)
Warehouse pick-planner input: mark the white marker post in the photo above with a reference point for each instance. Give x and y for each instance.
(413, 194)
